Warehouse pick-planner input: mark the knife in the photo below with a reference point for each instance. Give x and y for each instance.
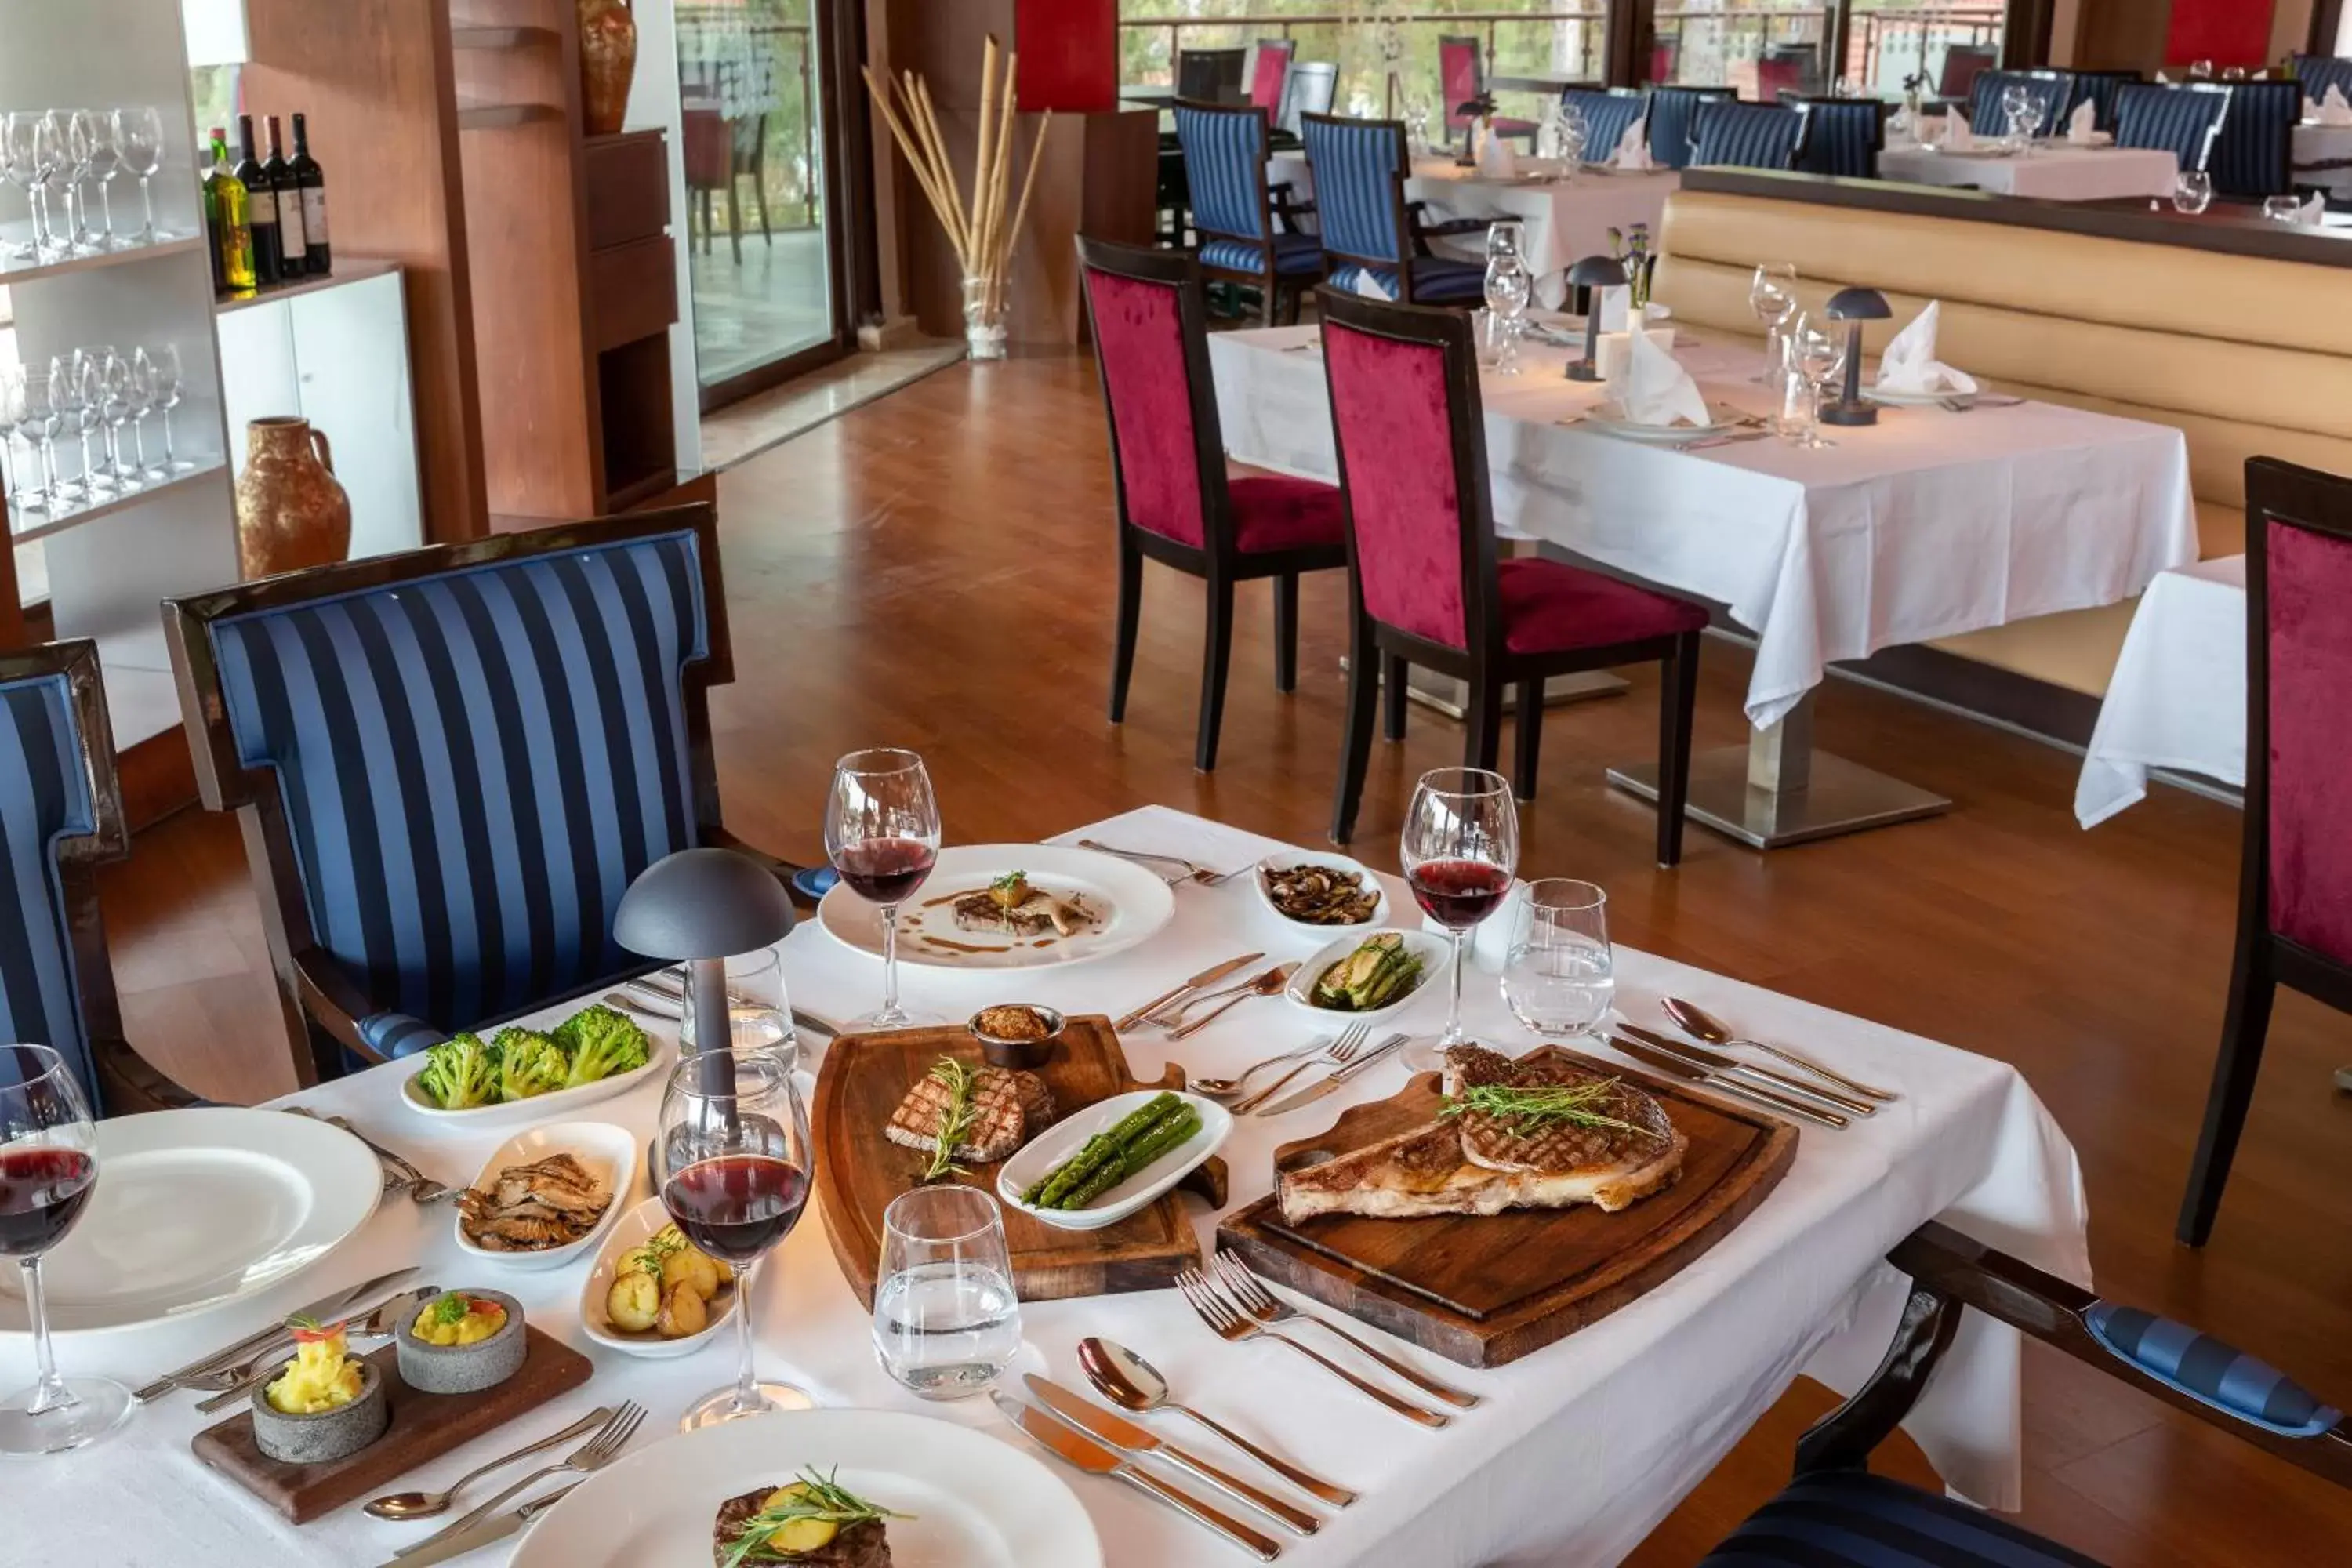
(325, 1307)
(1331, 1082)
(1208, 977)
(1691, 1070)
(1749, 1071)
(1129, 1438)
(1072, 1447)
(497, 1527)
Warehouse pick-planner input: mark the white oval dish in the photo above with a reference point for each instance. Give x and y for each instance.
(1288, 859)
(1062, 1139)
(630, 1233)
(539, 1107)
(609, 1151)
(1434, 952)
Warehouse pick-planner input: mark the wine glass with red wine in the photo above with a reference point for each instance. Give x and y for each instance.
(1461, 849)
(49, 1168)
(882, 832)
(734, 1162)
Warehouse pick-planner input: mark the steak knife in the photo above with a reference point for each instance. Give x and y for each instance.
(1207, 977)
(1073, 1447)
(326, 1306)
(1680, 1068)
(1129, 1438)
(1749, 1071)
(497, 1527)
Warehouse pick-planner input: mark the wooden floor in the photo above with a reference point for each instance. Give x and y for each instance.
(935, 571)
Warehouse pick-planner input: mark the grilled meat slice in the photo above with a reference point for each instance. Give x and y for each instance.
(1036, 914)
(560, 1183)
(1037, 1108)
(527, 1208)
(865, 1544)
(998, 1124)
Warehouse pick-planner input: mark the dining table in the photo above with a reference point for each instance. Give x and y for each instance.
(1934, 521)
(2054, 170)
(1575, 1453)
(2177, 698)
(2321, 154)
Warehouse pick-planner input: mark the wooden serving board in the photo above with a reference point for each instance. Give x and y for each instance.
(859, 1171)
(1483, 1290)
(423, 1427)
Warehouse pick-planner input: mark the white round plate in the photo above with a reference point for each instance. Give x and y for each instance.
(539, 1107)
(627, 1235)
(1061, 1140)
(1133, 904)
(978, 1502)
(1289, 859)
(1909, 399)
(1607, 416)
(608, 1152)
(198, 1207)
(1435, 953)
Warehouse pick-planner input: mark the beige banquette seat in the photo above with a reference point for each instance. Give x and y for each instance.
(2245, 354)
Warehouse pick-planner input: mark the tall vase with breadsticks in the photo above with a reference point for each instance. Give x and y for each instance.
(978, 228)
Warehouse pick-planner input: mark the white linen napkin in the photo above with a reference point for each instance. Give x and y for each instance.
(1909, 364)
(2313, 213)
(1633, 148)
(1370, 287)
(2333, 109)
(2082, 126)
(1495, 159)
(1956, 136)
(1655, 389)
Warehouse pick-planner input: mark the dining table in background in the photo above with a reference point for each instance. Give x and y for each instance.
(2322, 156)
(1925, 525)
(2177, 698)
(2053, 171)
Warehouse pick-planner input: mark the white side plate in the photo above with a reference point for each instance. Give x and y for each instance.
(1289, 859)
(539, 1107)
(628, 1235)
(1434, 952)
(1062, 1139)
(609, 1151)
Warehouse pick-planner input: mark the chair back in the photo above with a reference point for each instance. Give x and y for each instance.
(2254, 154)
(1673, 115)
(1267, 73)
(1843, 136)
(1150, 320)
(2317, 73)
(1609, 113)
(1358, 167)
(1209, 76)
(1461, 77)
(1746, 135)
(2098, 88)
(1962, 64)
(2055, 91)
(456, 759)
(1225, 169)
(1778, 74)
(1410, 438)
(1307, 89)
(2182, 120)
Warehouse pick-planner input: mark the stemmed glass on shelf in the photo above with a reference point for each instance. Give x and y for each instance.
(882, 834)
(1816, 358)
(122, 396)
(71, 133)
(1460, 850)
(138, 133)
(28, 157)
(79, 391)
(37, 421)
(13, 497)
(164, 360)
(94, 131)
(1509, 288)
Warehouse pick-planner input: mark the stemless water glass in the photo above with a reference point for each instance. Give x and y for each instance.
(49, 1168)
(2192, 191)
(138, 133)
(1460, 849)
(1559, 976)
(2282, 209)
(732, 1160)
(947, 1321)
(759, 1013)
(1816, 358)
(1772, 296)
(882, 834)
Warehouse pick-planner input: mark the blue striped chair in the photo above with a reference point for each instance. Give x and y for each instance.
(1233, 207)
(1746, 135)
(2317, 73)
(1609, 113)
(2181, 121)
(453, 763)
(1843, 136)
(61, 817)
(2253, 156)
(1674, 116)
(1360, 166)
(2098, 88)
(1836, 1514)
(2053, 90)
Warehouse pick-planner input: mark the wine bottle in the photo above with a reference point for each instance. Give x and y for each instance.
(211, 199)
(312, 181)
(261, 207)
(293, 244)
(236, 221)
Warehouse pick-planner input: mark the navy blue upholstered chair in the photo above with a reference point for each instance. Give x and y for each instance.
(2317, 73)
(452, 764)
(1360, 167)
(1746, 135)
(2254, 154)
(2182, 120)
(2098, 88)
(1609, 113)
(1836, 1514)
(61, 817)
(1674, 117)
(1233, 207)
(2055, 91)
(1843, 136)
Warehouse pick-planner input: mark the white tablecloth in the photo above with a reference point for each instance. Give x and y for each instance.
(2054, 171)
(2316, 145)
(1577, 1453)
(1926, 525)
(2178, 698)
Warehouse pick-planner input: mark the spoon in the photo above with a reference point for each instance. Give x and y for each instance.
(1126, 1379)
(1225, 1087)
(1700, 1027)
(1270, 984)
(425, 1505)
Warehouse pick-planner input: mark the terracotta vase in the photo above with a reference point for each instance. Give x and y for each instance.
(608, 61)
(290, 512)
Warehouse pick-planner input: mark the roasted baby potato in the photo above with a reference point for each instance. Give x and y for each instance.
(690, 1268)
(633, 1302)
(683, 1313)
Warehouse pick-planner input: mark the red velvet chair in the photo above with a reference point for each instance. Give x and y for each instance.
(1462, 76)
(1176, 504)
(2295, 882)
(1425, 583)
(1266, 72)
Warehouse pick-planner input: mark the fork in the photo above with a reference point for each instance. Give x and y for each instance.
(1217, 1088)
(1250, 1293)
(1343, 1051)
(593, 1454)
(422, 1188)
(1227, 1321)
(1192, 873)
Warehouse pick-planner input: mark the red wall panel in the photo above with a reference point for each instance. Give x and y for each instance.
(1069, 55)
(2226, 32)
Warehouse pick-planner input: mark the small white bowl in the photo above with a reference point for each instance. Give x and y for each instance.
(609, 1151)
(1062, 1139)
(1293, 857)
(627, 1235)
(1434, 952)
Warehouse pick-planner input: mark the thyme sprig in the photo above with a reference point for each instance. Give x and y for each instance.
(822, 1498)
(1529, 1110)
(955, 1118)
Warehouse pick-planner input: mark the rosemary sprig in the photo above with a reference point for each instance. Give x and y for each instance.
(955, 1119)
(824, 1498)
(1529, 1110)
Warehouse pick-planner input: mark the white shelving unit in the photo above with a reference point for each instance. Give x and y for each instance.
(109, 566)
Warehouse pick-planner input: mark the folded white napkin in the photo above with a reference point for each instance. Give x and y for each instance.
(1370, 287)
(2312, 212)
(1909, 364)
(1495, 159)
(1633, 147)
(1956, 136)
(1655, 388)
(2333, 109)
(2082, 126)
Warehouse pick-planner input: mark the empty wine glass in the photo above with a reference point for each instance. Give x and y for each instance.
(1460, 849)
(80, 395)
(29, 154)
(70, 136)
(143, 392)
(138, 134)
(1772, 296)
(2192, 191)
(2014, 99)
(947, 1321)
(1816, 358)
(1558, 974)
(1509, 285)
(119, 399)
(95, 130)
(2027, 124)
(38, 421)
(165, 358)
(882, 834)
(758, 1014)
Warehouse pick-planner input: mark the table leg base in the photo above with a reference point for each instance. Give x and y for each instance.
(1842, 797)
(1444, 694)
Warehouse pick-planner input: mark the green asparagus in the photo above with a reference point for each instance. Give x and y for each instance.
(1108, 1158)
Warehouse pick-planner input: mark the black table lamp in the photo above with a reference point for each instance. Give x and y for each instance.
(704, 906)
(1593, 274)
(1854, 306)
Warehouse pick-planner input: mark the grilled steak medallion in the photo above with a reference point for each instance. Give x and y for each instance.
(861, 1545)
(1009, 1108)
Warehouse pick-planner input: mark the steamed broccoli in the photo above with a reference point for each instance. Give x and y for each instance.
(529, 1063)
(459, 1072)
(601, 1042)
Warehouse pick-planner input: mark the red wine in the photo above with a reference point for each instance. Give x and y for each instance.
(1458, 894)
(737, 1206)
(885, 870)
(42, 1191)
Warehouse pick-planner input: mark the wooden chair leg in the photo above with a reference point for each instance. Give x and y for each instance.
(735, 216)
(1216, 657)
(1530, 738)
(1394, 673)
(1131, 611)
(1285, 632)
(1482, 732)
(2244, 1028)
(1269, 296)
(1356, 735)
(760, 191)
(1677, 699)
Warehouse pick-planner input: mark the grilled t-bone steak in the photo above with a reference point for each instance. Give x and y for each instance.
(1009, 1108)
(861, 1545)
